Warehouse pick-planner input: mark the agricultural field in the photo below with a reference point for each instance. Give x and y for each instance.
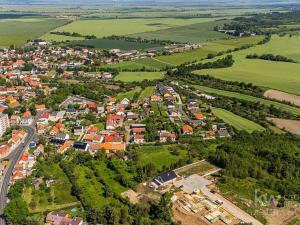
(129, 94)
(147, 63)
(211, 47)
(292, 126)
(102, 43)
(195, 33)
(18, 31)
(107, 27)
(139, 76)
(283, 97)
(236, 121)
(288, 108)
(282, 76)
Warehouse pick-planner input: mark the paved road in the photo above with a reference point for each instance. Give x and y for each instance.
(14, 157)
(238, 212)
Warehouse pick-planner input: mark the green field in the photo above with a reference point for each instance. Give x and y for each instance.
(277, 75)
(107, 27)
(128, 94)
(160, 156)
(250, 98)
(18, 31)
(147, 92)
(197, 32)
(212, 47)
(147, 63)
(139, 76)
(236, 121)
(56, 197)
(102, 43)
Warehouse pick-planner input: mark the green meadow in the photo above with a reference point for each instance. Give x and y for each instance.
(129, 94)
(236, 121)
(107, 27)
(249, 98)
(277, 75)
(147, 92)
(147, 63)
(101, 43)
(139, 76)
(196, 32)
(18, 31)
(211, 47)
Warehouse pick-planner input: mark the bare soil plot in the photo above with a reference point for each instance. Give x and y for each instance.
(283, 96)
(292, 126)
(280, 216)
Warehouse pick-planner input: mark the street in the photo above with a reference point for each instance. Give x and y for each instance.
(13, 157)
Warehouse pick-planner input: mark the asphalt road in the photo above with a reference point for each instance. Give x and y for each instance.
(13, 157)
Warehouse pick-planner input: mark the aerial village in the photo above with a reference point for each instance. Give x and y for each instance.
(120, 123)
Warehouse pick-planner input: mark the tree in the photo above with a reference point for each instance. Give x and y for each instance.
(16, 211)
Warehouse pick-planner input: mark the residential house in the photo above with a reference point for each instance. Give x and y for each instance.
(138, 139)
(165, 178)
(187, 130)
(113, 121)
(165, 136)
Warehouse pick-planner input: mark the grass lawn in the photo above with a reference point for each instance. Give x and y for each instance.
(160, 156)
(236, 121)
(147, 92)
(18, 31)
(139, 76)
(56, 197)
(128, 94)
(201, 168)
(107, 27)
(278, 105)
(276, 75)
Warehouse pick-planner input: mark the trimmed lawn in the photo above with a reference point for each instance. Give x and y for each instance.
(236, 121)
(250, 98)
(139, 76)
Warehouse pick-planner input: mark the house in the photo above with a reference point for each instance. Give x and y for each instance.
(40, 107)
(62, 136)
(92, 130)
(15, 120)
(110, 147)
(58, 115)
(26, 119)
(187, 130)
(155, 98)
(165, 178)
(130, 116)
(81, 146)
(92, 138)
(61, 218)
(78, 130)
(165, 136)
(223, 133)
(71, 112)
(138, 128)
(113, 121)
(93, 107)
(199, 116)
(138, 139)
(106, 75)
(44, 117)
(125, 102)
(68, 144)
